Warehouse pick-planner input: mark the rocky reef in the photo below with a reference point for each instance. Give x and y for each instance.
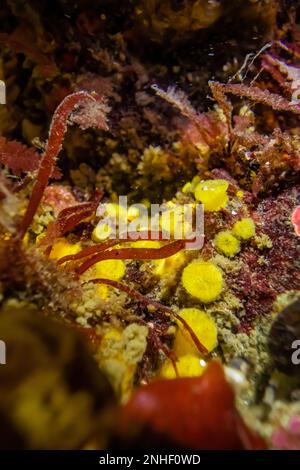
(181, 103)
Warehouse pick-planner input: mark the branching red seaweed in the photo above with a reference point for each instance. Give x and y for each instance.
(54, 144)
(254, 93)
(70, 217)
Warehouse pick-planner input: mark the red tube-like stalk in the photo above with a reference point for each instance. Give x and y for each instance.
(132, 237)
(134, 253)
(53, 147)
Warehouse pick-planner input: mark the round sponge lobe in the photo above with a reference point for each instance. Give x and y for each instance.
(203, 280)
(227, 243)
(203, 327)
(212, 194)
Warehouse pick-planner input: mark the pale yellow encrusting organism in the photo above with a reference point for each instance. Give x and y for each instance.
(112, 269)
(119, 353)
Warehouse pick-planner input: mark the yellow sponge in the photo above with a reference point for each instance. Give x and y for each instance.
(227, 243)
(113, 269)
(244, 228)
(212, 194)
(202, 325)
(187, 366)
(63, 248)
(203, 280)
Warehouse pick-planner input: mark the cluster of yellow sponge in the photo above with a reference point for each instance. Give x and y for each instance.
(228, 242)
(202, 280)
(113, 269)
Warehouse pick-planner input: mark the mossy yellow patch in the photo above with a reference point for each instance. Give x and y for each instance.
(103, 291)
(111, 345)
(187, 366)
(244, 228)
(227, 243)
(118, 355)
(212, 194)
(204, 328)
(63, 248)
(164, 266)
(113, 269)
(203, 280)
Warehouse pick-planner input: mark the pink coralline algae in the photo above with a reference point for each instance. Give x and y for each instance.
(296, 220)
(288, 438)
(258, 283)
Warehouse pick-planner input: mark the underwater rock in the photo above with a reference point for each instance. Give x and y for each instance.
(179, 20)
(284, 334)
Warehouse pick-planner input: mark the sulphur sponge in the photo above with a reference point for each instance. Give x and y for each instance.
(203, 327)
(62, 248)
(212, 194)
(187, 366)
(203, 280)
(113, 269)
(227, 243)
(244, 228)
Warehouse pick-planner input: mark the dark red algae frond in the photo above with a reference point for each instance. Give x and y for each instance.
(70, 217)
(132, 236)
(134, 253)
(54, 145)
(146, 301)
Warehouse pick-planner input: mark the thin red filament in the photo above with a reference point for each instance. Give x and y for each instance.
(146, 301)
